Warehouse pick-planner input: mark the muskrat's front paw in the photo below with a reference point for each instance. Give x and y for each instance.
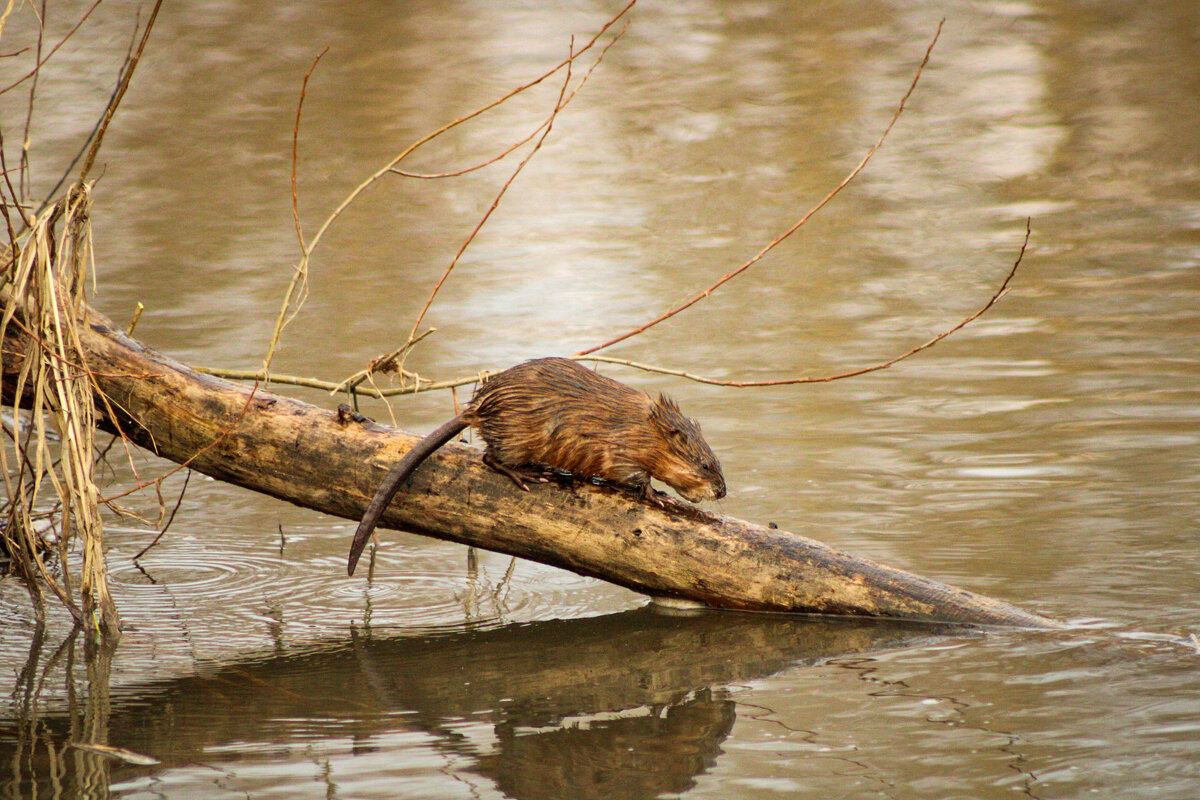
(654, 496)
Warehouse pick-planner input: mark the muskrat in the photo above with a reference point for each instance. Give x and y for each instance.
(554, 413)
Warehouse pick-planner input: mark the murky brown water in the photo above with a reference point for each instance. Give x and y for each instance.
(1048, 454)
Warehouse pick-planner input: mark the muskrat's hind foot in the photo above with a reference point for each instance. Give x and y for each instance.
(504, 469)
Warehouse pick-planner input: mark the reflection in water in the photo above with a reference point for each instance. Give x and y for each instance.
(660, 751)
(630, 705)
(42, 747)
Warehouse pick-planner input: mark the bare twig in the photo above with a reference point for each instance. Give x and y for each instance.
(296, 146)
(795, 227)
(15, 203)
(474, 167)
(186, 478)
(137, 314)
(25, 179)
(41, 61)
(87, 142)
(333, 387)
(284, 380)
(116, 99)
(1003, 290)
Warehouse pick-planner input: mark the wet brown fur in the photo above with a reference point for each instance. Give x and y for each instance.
(555, 413)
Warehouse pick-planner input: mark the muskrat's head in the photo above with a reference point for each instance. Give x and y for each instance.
(686, 463)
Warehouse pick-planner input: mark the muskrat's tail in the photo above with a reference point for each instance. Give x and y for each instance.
(391, 484)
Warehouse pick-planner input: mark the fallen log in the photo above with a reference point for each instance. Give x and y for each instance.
(318, 459)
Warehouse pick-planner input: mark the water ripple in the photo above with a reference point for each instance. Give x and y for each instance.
(194, 587)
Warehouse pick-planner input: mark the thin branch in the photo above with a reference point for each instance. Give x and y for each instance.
(796, 226)
(6, 173)
(116, 100)
(474, 167)
(1003, 290)
(386, 404)
(174, 511)
(296, 146)
(24, 178)
(529, 137)
(297, 291)
(333, 387)
(41, 62)
(83, 148)
(288, 311)
(137, 315)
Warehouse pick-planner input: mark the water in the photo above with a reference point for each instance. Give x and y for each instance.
(1047, 454)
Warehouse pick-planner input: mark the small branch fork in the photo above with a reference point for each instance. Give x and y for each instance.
(294, 297)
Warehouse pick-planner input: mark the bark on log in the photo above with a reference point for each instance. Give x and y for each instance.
(303, 454)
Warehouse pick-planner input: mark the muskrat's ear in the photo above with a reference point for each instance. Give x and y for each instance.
(666, 416)
(666, 406)
(665, 413)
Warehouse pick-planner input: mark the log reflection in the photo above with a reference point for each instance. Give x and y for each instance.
(630, 705)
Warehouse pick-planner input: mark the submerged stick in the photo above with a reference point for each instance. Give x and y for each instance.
(305, 455)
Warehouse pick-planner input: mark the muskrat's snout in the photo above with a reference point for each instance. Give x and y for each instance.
(704, 491)
(716, 489)
(705, 483)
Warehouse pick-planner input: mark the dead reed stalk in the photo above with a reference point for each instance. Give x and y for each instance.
(44, 272)
(46, 283)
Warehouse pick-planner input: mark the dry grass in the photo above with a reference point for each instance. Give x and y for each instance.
(45, 292)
